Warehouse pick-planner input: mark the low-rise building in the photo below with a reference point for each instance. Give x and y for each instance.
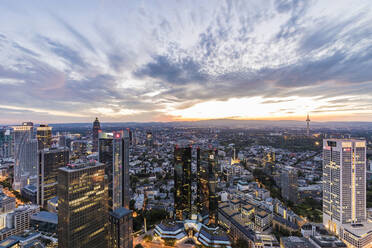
(18, 220)
(29, 192)
(326, 241)
(44, 222)
(213, 237)
(295, 242)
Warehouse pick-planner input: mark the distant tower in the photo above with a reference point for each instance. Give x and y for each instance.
(96, 129)
(308, 125)
(44, 136)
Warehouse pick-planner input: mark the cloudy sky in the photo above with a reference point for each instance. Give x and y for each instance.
(70, 61)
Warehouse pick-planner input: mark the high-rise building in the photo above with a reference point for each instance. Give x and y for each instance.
(182, 182)
(25, 154)
(206, 185)
(96, 130)
(44, 136)
(6, 150)
(62, 141)
(50, 160)
(289, 184)
(121, 226)
(344, 181)
(344, 191)
(114, 153)
(308, 125)
(82, 210)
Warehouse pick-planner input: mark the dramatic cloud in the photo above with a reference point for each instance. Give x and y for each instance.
(165, 60)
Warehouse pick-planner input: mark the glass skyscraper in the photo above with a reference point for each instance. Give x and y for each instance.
(50, 160)
(182, 182)
(25, 154)
(207, 160)
(82, 206)
(96, 130)
(44, 136)
(114, 153)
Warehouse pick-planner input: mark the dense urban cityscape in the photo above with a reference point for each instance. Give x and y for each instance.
(163, 185)
(186, 124)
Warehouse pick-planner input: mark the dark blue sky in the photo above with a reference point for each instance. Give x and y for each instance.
(69, 61)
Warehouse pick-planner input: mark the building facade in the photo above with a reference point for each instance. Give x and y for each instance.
(121, 226)
(289, 184)
(96, 130)
(344, 191)
(25, 154)
(207, 204)
(114, 153)
(50, 160)
(44, 136)
(82, 206)
(182, 182)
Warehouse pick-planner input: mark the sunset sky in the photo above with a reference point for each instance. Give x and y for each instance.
(166, 60)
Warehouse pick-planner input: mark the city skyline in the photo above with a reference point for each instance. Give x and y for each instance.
(167, 61)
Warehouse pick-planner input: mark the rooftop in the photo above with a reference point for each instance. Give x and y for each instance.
(121, 212)
(359, 229)
(80, 166)
(45, 216)
(295, 242)
(327, 241)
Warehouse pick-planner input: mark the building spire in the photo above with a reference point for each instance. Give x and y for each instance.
(308, 125)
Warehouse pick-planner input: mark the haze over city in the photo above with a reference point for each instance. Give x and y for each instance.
(68, 61)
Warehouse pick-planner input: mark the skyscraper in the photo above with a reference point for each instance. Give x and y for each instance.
(344, 191)
(50, 160)
(44, 136)
(289, 184)
(308, 125)
(344, 182)
(82, 210)
(121, 225)
(206, 184)
(182, 182)
(25, 154)
(6, 149)
(114, 153)
(96, 130)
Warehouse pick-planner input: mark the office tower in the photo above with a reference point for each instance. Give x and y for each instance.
(344, 181)
(344, 191)
(44, 136)
(79, 149)
(131, 136)
(62, 141)
(114, 153)
(206, 185)
(50, 160)
(308, 125)
(121, 228)
(6, 150)
(24, 161)
(182, 182)
(96, 130)
(82, 211)
(289, 184)
(149, 139)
